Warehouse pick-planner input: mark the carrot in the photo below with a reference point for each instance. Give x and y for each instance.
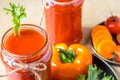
(101, 32)
(97, 28)
(98, 33)
(102, 41)
(97, 40)
(106, 47)
(118, 38)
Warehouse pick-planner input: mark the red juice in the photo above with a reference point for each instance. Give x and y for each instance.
(30, 48)
(63, 20)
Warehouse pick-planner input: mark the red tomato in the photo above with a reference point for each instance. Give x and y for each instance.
(113, 24)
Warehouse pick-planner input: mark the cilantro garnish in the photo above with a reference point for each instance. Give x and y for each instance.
(18, 14)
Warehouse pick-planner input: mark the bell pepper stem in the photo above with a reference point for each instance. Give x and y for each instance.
(66, 55)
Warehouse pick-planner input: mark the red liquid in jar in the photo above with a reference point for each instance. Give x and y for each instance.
(63, 22)
(28, 43)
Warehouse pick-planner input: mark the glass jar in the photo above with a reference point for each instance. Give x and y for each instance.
(63, 20)
(26, 57)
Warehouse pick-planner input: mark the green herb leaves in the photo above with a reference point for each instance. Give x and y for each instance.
(18, 14)
(94, 74)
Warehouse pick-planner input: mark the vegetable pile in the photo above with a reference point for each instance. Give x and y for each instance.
(74, 62)
(106, 38)
(102, 41)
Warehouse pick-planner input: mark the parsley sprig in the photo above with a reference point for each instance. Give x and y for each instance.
(94, 73)
(18, 14)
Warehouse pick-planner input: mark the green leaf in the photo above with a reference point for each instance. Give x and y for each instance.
(106, 77)
(18, 14)
(81, 77)
(94, 72)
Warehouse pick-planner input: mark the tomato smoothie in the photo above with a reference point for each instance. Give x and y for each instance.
(27, 55)
(63, 20)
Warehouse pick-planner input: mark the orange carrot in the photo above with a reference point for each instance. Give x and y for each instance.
(101, 32)
(97, 28)
(105, 48)
(97, 40)
(102, 41)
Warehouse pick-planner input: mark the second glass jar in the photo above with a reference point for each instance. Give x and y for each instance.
(63, 20)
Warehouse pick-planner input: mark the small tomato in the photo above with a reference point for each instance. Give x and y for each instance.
(113, 24)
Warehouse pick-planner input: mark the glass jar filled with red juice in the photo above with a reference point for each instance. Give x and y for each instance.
(63, 20)
(26, 57)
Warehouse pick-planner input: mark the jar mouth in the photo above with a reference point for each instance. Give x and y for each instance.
(24, 26)
(49, 3)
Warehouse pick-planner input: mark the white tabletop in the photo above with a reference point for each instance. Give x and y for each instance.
(94, 12)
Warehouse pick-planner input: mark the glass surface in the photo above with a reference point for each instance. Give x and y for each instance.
(63, 20)
(29, 54)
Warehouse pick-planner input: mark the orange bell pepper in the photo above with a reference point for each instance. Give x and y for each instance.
(68, 62)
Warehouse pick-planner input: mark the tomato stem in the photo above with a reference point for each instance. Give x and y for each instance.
(113, 19)
(115, 56)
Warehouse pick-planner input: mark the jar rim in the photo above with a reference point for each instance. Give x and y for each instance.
(27, 55)
(49, 3)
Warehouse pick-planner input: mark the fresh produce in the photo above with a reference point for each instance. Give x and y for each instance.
(99, 39)
(68, 62)
(99, 33)
(94, 73)
(100, 29)
(106, 48)
(102, 41)
(118, 37)
(117, 53)
(113, 24)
